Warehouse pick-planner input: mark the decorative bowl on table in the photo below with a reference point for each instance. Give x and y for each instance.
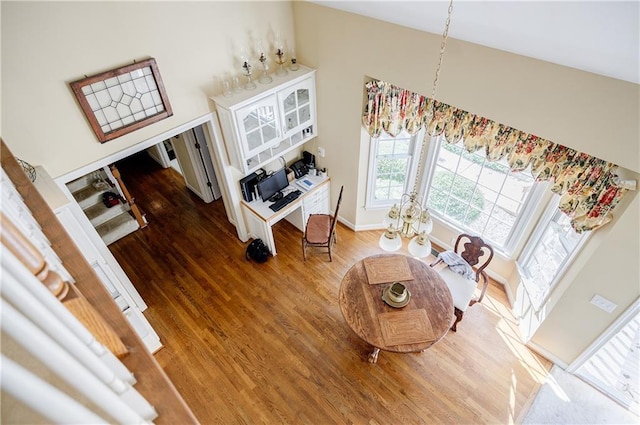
(396, 295)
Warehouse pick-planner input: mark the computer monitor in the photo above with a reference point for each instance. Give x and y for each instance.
(273, 184)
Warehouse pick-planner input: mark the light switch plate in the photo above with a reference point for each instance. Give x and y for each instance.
(321, 152)
(603, 303)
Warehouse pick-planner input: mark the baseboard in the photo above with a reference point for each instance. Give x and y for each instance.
(368, 227)
(507, 288)
(347, 223)
(547, 355)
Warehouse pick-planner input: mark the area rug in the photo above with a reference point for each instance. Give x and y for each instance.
(566, 399)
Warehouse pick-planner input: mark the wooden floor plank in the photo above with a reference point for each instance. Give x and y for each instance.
(266, 343)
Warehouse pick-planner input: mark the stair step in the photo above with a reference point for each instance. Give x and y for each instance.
(99, 213)
(89, 195)
(85, 180)
(117, 228)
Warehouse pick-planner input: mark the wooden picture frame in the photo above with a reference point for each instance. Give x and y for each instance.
(122, 100)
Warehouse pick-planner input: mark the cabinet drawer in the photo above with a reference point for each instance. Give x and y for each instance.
(317, 203)
(320, 196)
(317, 209)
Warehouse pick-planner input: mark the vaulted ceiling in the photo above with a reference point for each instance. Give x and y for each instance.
(602, 37)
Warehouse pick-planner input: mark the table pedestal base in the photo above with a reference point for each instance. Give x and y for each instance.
(373, 357)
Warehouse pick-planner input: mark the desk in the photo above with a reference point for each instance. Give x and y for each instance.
(420, 324)
(260, 218)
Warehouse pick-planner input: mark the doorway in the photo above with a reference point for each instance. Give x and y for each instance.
(226, 176)
(189, 154)
(612, 363)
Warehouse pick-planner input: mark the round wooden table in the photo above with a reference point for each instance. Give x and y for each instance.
(417, 326)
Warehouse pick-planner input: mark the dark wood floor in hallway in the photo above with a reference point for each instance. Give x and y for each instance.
(267, 343)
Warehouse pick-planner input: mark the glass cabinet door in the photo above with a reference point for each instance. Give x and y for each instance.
(296, 106)
(258, 125)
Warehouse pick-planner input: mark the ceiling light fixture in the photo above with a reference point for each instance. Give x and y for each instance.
(411, 219)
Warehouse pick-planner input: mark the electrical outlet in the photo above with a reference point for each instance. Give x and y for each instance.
(321, 152)
(603, 303)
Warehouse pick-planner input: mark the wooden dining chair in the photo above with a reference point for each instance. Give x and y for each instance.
(321, 230)
(478, 254)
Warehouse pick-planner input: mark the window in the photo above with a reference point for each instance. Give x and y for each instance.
(392, 168)
(548, 253)
(123, 100)
(477, 195)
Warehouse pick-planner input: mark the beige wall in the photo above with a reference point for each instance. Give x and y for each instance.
(46, 45)
(593, 114)
(612, 269)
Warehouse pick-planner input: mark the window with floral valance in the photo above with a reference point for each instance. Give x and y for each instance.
(585, 183)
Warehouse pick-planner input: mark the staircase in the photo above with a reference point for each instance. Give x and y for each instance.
(112, 223)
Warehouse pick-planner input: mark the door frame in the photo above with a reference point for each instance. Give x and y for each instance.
(206, 184)
(222, 168)
(195, 163)
(159, 154)
(611, 331)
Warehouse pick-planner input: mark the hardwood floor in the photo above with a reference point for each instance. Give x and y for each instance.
(266, 343)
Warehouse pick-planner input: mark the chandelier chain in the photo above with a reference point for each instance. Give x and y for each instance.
(443, 46)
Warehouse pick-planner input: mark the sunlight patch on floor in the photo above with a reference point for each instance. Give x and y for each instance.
(507, 328)
(527, 358)
(512, 397)
(557, 389)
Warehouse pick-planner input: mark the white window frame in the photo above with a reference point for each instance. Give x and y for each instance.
(518, 231)
(416, 143)
(532, 243)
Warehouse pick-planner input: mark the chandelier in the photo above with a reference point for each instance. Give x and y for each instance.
(411, 219)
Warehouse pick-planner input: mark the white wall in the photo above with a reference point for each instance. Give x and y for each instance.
(590, 113)
(46, 45)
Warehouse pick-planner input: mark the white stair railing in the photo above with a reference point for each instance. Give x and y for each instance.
(97, 382)
(43, 398)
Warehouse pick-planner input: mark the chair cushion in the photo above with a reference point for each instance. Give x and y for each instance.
(318, 228)
(462, 289)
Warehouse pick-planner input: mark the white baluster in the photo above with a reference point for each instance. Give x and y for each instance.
(65, 366)
(42, 397)
(13, 267)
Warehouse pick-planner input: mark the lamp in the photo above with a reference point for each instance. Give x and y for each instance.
(246, 70)
(280, 56)
(265, 78)
(411, 219)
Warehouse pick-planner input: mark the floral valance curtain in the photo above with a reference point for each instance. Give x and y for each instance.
(584, 183)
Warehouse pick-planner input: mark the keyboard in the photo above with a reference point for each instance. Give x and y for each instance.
(286, 200)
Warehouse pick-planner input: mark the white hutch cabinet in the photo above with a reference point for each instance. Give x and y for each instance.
(262, 124)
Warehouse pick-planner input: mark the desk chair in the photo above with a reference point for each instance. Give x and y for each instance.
(478, 255)
(321, 230)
